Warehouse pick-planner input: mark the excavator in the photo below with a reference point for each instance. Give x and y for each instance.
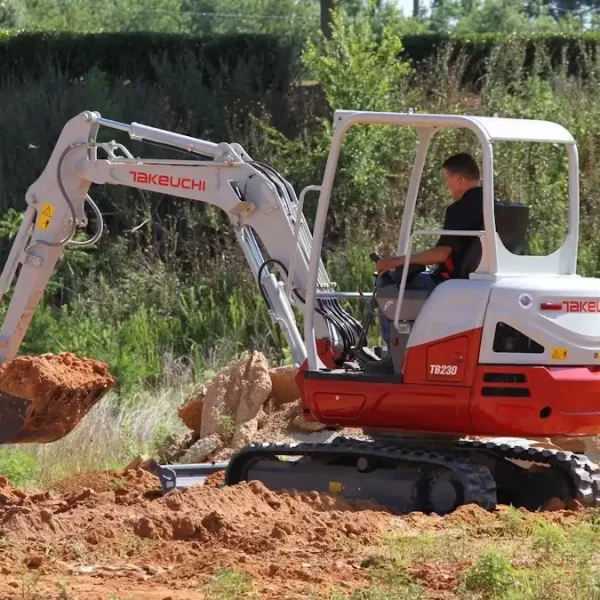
(483, 366)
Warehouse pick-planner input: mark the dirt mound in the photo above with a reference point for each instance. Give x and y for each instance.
(181, 529)
(44, 397)
(246, 402)
(125, 481)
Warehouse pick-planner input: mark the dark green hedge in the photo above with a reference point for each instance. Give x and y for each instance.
(133, 55)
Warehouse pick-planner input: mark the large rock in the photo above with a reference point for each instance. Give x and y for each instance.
(229, 407)
(191, 412)
(588, 445)
(203, 450)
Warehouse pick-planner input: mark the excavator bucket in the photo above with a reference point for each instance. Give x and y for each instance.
(43, 398)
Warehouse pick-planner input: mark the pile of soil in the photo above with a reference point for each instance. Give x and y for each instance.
(118, 523)
(248, 401)
(43, 398)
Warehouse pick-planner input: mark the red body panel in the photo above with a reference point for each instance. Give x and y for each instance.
(459, 351)
(388, 405)
(561, 401)
(464, 398)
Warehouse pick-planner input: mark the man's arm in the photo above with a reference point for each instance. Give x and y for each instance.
(435, 255)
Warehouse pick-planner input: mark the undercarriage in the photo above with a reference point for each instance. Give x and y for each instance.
(433, 477)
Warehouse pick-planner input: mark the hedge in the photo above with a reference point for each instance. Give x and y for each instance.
(133, 55)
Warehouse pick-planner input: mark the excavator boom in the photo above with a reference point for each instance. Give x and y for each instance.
(260, 204)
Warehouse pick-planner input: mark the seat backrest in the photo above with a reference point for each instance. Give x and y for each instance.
(512, 222)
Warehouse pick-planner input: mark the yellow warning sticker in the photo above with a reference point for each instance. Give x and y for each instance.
(559, 354)
(45, 216)
(335, 486)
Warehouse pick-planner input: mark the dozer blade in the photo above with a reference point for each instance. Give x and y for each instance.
(43, 398)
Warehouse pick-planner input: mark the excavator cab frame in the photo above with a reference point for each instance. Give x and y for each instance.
(496, 260)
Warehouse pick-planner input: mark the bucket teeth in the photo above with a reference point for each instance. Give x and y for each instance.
(46, 419)
(13, 411)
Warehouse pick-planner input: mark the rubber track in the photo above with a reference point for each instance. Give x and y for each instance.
(583, 473)
(478, 484)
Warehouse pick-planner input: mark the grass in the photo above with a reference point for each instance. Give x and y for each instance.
(228, 584)
(519, 558)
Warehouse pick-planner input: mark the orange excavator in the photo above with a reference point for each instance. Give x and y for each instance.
(507, 352)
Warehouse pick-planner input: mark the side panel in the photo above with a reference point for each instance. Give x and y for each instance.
(561, 314)
(536, 401)
(448, 361)
(340, 400)
(454, 307)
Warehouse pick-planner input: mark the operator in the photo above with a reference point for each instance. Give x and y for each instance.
(463, 180)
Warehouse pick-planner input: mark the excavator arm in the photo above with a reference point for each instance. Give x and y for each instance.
(261, 205)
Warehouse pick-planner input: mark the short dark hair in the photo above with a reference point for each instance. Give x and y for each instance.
(462, 164)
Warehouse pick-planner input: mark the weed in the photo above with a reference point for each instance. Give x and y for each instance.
(29, 583)
(227, 427)
(549, 540)
(227, 584)
(513, 523)
(491, 576)
(64, 593)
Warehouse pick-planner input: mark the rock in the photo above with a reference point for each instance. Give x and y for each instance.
(238, 391)
(553, 504)
(46, 515)
(214, 522)
(283, 384)
(589, 445)
(244, 434)
(203, 449)
(301, 423)
(35, 561)
(573, 504)
(174, 500)
(191, 412)
(352, 528)
(144, 528)
(139, 462)
(183, 529)
(279, 534)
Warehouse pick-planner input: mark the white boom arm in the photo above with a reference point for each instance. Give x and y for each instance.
(257, 200)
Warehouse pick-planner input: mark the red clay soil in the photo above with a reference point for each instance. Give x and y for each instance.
(116, 533)
(60, 389)
(122, 531)
(191, 415)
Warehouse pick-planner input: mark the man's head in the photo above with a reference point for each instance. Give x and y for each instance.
(461, 174)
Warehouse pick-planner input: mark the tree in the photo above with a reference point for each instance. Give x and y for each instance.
(12, 14)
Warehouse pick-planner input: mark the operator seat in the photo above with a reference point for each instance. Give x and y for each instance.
(512, 222)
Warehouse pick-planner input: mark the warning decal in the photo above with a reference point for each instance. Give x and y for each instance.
(335, 486)
(45, 216)
(559, 354)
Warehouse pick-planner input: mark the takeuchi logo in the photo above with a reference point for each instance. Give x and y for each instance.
(184, 183)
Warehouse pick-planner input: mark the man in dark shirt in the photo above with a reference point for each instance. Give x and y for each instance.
(462, 177)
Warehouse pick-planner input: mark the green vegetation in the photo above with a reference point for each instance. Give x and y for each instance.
(166, 297)
(227, 584)
(548, 560)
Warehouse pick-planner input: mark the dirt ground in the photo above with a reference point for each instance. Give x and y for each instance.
(116, 536)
